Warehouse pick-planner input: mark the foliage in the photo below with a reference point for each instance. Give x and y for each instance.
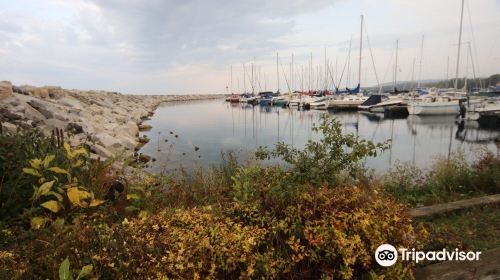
(449, 179)
(323, 160)
(59, 188)
(16, 187)
(475, 229)
(324, 233)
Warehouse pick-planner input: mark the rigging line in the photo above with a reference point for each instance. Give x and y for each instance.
(387, 69)
(284, 75)
(371, 54)
(331, 76)
(343, 70)
(473, 41)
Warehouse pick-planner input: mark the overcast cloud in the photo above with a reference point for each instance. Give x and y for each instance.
(155, 46)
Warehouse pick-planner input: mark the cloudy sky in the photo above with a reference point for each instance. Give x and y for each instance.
(182, 46)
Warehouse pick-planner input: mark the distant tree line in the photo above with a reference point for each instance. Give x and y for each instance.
(476, 83)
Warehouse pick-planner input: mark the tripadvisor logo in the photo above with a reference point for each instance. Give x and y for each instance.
(387, 255)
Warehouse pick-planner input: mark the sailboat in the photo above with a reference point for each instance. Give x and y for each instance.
(352, 98)
(445, 105)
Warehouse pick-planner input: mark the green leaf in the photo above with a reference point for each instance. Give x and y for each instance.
(96, 202)
(58, 170)
(132, 196)
(59, 223)
(64, 273)
(75, 196)
(45, 188)
(47, 160)
(37, 222)
(35, 163)
(86, 270)
(32, 171)
(58, 196)
(52, 205)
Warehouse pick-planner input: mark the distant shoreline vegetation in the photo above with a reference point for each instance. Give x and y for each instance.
(472, 83)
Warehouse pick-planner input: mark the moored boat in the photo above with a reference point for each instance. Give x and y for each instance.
(430, 105)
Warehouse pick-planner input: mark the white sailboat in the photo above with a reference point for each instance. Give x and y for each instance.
(446, 105)
(351, 101)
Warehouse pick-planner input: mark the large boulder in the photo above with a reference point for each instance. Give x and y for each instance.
(55, 92)
(43, 107)
(32, 114)
(40, 93)
(71, 102)
(107, 141)
(7, 116)
(5, 90)
(8, 127)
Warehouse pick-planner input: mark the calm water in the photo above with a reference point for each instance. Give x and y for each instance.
(215, 125)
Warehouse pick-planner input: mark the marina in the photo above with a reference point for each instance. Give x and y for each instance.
(216, 126)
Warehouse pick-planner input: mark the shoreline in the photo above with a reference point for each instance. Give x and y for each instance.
(108, 122)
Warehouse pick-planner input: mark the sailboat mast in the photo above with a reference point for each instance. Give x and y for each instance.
(396, 66)
(278, 71)
(420, 64)
(310, 71)
(231, 79)
(459, 44)
(292, 78)
(326, 86)
(413, 72)
(360, 51)
(447, 70)
(252, 81)
(244, 78)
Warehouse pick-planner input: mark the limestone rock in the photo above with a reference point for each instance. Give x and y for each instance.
(32, 114)
(42, 107)
(5, 90)
(8, 127)
(100, 150)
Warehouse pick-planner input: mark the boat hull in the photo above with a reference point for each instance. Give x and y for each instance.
(434, 108)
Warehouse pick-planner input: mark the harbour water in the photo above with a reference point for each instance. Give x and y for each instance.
(191, 134)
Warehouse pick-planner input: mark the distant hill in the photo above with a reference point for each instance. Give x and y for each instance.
(471, 83)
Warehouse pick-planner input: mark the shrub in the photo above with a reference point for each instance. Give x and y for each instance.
(323, 160)
(450, 178)
(16, 187)
(324, 233)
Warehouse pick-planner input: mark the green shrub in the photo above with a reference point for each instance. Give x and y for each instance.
(322, 161)
(449, 178)
(16, 150)
(324, 233)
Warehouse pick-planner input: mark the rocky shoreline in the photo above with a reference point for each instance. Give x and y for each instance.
(108, 122)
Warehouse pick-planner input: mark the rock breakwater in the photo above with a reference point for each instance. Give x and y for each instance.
(108, 122)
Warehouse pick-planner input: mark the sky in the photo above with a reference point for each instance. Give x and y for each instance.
(188, 47)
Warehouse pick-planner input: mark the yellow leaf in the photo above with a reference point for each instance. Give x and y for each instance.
(143, 214)
(52, 205)
(68, 150)
(58, 196)
(58, 170)
(86, 271)
(47, 160)
(32, 171)
(80, 151)
(45, 188)
(96, 202)
(132, 196)
(78, 163)
(35, 163)
(75, 196)
(37, 222)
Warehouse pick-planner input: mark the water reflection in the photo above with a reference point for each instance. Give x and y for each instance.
(215, 125)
